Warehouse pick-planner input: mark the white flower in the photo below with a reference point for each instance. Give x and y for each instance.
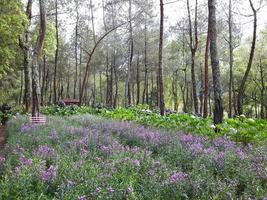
(233, 130)
(251, 120)
(212, 126)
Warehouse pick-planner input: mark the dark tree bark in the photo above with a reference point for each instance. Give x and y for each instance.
(193, 47)
(24, 44)
(206, 75)
(251, 56)
(218, 102)
(43, 81)
(201, 93)
(145, 91)
(174, 89)
(35, 60)
(76, 53)
(137, 81)
(56, 54)
(231, 60)
(130, 57)
(94, 37)
(160, 70)
(262, 90)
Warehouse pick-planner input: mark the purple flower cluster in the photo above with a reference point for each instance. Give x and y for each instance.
(178, 177)
(24, 161)
(50, 174)
(83, 197)
(27, 127)
(219, 159)
(54, 136)
(45, 152)
(2, 160)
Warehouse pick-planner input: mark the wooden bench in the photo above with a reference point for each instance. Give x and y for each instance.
(71, 102)
(38, 120)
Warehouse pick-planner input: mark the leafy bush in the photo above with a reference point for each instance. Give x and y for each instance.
(239, 129)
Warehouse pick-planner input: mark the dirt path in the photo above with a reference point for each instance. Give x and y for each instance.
(2, 137)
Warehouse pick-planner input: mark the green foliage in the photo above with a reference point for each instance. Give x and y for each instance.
(12, 22)
(50, 39)
(241, 129)
(86, 157)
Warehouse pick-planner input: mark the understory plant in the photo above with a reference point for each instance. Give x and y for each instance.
(87, 157)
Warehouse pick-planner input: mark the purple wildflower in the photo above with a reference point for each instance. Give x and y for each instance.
(50, 174)
(178, 177)
(83, 197)
(110, 190)
(25, 128)
(24, 161)
(2, 160)
(129, 190)
(195, 148)
(70, 183)
(45, 152)
(136, 163)
(240, 154)
(53, 135)
(219, 159)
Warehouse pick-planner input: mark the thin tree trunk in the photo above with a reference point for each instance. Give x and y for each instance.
(193, 48)
(130, 58)
(218, 102)
(21, 88)
(160, 70)
(206, 78)
(145, 91)
(24, 43)
(201, 92)
(231, 60)
(76, 53)
(174, 89)
(35, 60)
(56, 54)
(137, 81)
(43, 81)
(251, 56)
(262, 89)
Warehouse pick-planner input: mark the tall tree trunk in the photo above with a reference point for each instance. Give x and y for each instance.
(94, 37)
(35, 60)
(263, 90)
(206, 76)
(43, 81)
(24, 43)
(56, 54)
(130, 57)
(231, 60)
(218, 102)
(76, 53)
(193, 48)
(201, 94)
(21, 88)
(145, 91)
(160, 70)
(137, 81)
(252, 50)
(174, 89)
(115, 102)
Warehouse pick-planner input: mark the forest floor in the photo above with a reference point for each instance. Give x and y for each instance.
(2, 137)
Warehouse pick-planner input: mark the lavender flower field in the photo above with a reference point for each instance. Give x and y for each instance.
(86, 157)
